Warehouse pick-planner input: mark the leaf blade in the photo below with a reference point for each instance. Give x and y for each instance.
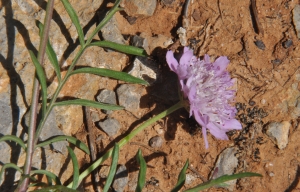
(110, 73)
(222, 179)
(42, 78)
(48, 174)
(75, 20)
(56, 188)
(113, 167)
(70, 139)
(75, 168)
(142, 173)
(9, 165)
(121, 48)
(13, 138)
(181, 177)
(89, 103)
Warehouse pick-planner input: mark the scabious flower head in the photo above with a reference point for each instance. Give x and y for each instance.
(208, 88)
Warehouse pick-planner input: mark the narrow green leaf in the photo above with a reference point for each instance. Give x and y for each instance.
(111, 73)
(75, 168)
(109, 15)
(142, 173)
(113, 168)
(221, 180)
(75, 20)
(15, 139)
(89, 103)
(181, 177)
(48, 174)
(56, 188)
(121, 48)
(51, 54)
(9, 165)
(42, 78)
(70, 139)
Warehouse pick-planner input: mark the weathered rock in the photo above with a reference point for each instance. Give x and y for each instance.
(182, 36)
(189, 179)
(121, 179)
(111, 32)
(110, 126)
(107, 96)
(146, 69)
(156, 142)
(140, 7)
(226, 164)
(104, 171)
(139, 41)
(129, 97)
(50, 130)
(279, 133)
(156, 41)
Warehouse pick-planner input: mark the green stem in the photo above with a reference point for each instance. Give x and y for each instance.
(126, 139)
(23, 185)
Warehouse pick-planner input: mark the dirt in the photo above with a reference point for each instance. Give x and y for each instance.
(265, 71)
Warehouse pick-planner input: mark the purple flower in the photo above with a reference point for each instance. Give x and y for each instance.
(208, 88)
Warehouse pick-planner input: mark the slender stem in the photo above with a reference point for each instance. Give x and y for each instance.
(126, 139)
(35, 97)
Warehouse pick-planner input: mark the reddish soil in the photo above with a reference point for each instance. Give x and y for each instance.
(264, 80)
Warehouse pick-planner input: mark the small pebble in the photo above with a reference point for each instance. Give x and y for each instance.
(296, 19)
(287, 43)
(156, 142)
(276, 61)
(260, 44)
(279, 133)
(252, 103)
(110, 126)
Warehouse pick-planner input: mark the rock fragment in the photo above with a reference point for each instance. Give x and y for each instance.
(142, 8)
(121, 179)
(279, 133)
(110, 126)
(156, 142)
(146, 69)
(111, 32)
(226, 164)
(107, 96)
(129, 97)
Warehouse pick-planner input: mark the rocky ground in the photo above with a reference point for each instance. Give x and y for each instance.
(260, 40)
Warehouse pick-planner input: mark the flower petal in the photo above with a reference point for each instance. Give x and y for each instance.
(186, 56)
(232, 124)
(216, 131)
(221, 63)
(172, 62)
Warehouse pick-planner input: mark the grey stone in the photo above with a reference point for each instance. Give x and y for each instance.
(138, 41)
(110, 126)
(146, 69)
(189, 179)
(6, 114)
(156, 142)
(111, 32)
(279, 133)
(226, 164)
(121, 178)
(140, 7)
(107, 96)
(129, 97)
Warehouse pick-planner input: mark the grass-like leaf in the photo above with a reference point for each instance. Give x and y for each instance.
(42, 78)
(113, 168)
(70, 139)
(121, 48)
(15, 139)
(112, 74)
(181, 177)
(56, 188)
(75, 20)
(89, 103)
(48, 175)
(75, 168)
(50, 53)
(221, 180)
(110, 14)
(9, 165)
(142, 173)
